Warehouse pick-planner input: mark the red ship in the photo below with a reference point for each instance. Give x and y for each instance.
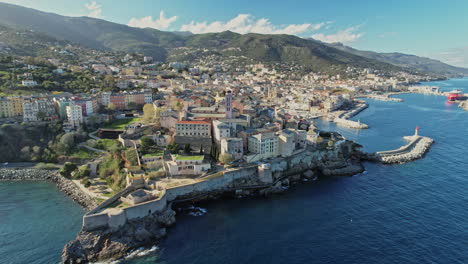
(455, 95)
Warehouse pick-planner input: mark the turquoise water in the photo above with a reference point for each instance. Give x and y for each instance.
(411, 213)
(36, 221)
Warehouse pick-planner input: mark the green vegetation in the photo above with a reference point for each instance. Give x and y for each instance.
(226, 158)
(122, 123)
(67, 169)
(47, 166)
(107, 144)
(82, 172)
(180, 157)
(173, 148)
(37, 142)
(146, 144)
(132, 157)
(154, 154)
(111, 171)
(82, 153)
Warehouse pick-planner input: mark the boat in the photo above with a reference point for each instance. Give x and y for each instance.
(455, 95)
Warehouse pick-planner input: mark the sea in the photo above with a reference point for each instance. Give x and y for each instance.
(411, 213)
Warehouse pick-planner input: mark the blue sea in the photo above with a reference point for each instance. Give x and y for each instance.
(411, 213)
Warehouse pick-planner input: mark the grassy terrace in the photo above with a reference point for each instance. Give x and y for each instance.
(121, 124)
(107, 144)
(154, 153)
(82, 153)
(179, 157)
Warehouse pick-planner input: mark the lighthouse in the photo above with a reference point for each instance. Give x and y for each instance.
(228, 105)
(416, 131)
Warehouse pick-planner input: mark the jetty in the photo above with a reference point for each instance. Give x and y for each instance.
(343, 118)
(415, 149)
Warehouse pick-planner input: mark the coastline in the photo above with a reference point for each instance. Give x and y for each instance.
(106, 236)
(64, 185)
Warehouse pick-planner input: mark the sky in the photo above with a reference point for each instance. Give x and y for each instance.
(432, 28)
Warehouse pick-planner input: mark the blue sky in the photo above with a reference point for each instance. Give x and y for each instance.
(431, 28)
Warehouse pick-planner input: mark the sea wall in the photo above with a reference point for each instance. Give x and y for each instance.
(66, 186)
(331, 162)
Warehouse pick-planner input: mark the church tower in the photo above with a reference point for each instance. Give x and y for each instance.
(228, 105)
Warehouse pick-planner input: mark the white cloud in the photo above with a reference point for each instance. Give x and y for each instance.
(455, 56)
(162, 22)
(246, 23)
(347, 35)
(95, 9)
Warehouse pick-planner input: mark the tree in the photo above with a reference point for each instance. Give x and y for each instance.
(108, 81)
(148, 113)
(41, 116)
(187, 149)
(173, 148)
(145, 144)
(111, 107)
(67, 169)
(226, 158)
(68, 141)
(83, 172)
(132, 106)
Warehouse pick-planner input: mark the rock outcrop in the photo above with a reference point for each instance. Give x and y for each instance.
(115, 244)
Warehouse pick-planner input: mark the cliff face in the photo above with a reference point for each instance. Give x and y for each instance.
(114, 243)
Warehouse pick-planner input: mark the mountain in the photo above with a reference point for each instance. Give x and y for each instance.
(406, 61)
(101, 34)
(104, 35)
(90, 32)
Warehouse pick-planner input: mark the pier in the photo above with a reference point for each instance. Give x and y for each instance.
(343, 119)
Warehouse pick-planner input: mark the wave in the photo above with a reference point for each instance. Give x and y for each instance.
(140, 252)
(196, 211)
(136, 253)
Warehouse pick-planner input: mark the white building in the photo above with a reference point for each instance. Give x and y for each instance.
(105, 98)
(187, 165)
(74, 115)
(264, 146)
(39, 110)
(220, 130)
(28, 83)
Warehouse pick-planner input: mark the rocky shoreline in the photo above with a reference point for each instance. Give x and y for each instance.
(64, 185)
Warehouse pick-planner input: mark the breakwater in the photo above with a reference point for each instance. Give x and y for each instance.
(66, 186)
(415, 149)
(343, 119)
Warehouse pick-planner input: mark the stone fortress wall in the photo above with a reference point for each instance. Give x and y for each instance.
(256, 176)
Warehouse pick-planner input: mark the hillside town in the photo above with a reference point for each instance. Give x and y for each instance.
(173, 123)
